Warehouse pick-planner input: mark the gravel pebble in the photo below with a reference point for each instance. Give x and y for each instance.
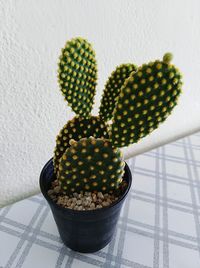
(57, 189)
(105, 204)
(100, 195)
(50, 192)
(79, 202)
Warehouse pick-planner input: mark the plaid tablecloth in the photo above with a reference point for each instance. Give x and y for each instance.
(159, 224)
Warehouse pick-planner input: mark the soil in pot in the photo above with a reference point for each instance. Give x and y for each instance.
(84, 200)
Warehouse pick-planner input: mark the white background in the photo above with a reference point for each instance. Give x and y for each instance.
(32, 108)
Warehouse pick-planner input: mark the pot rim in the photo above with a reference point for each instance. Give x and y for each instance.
(80, 212)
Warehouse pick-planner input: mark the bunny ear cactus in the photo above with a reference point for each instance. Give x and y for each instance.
(76, 129)
(90, 165)
(87, 155)
(112, 89)
(145, 100)
(77, 75)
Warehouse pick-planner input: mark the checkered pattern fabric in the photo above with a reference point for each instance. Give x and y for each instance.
(159, 224)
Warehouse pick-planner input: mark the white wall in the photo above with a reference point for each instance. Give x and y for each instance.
(32, 108)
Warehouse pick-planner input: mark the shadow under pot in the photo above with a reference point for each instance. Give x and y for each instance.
(88, 230)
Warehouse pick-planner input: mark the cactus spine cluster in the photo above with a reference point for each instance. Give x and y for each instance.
(87, 155)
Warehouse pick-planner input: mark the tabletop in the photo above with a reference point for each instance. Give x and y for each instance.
(159, 225)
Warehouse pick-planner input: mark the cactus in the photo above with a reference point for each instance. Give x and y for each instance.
(90, 165)
(77, 75)
(145, 100)
(76, 129)
(137, 101)
(112, 89)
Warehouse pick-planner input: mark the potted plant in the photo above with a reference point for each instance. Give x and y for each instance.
(87, 181)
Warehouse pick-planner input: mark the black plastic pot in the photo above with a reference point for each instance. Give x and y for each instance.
(84, 231)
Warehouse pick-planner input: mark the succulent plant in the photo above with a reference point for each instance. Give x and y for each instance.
(77, 75)
(87, 155)
(112, 89)
(91, 165)
(145, 100)
(76, 129)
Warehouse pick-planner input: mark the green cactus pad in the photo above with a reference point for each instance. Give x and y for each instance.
(76, 129)
(112, 89)
(146, 99)
(91, 165)
(77, 75)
